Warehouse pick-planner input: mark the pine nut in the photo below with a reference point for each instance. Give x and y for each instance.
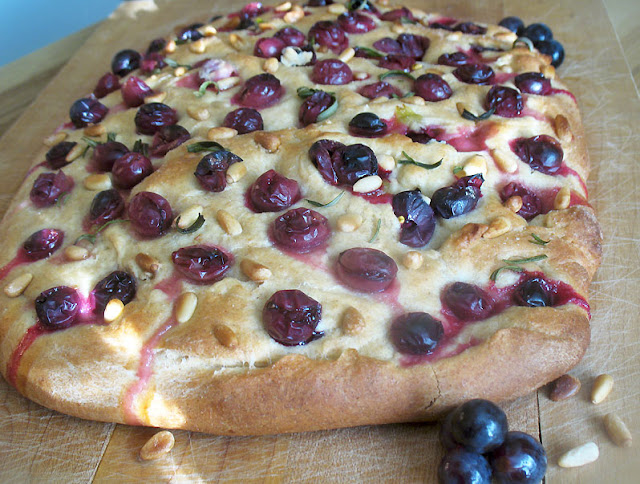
(228, 83)
(209, 31)
(198, 113)
(562, 128)
(337, 8)
(268, 141)
(171, 46)
(352, 321)
(94, 130)
(347, 54)
(367, 184)
(498, 226)
(225, 336)
(158, 97)
(548, 71)
(412, 260)
(417, 66)
(254, 270)
(349, 222)
(97, 182)
(179, 71)
(602, 386)
(283, 7)
(236, 172)
(18, 285)
(617, 430)
(563, 199)
(398, 28)
(474, 166)
(360, 76)
(221, 133)
(461, 108)
(271, 65)
(579, 456)
(504, 161)
(416, 101)
(55, 138)
(189, 217)
(266, 26)
(76, 253)
(113, 310)
(295, 14)
(514, 203)
(158, 445)
(236, 41)
(437, 72)
(75, 153)
(454, 37)
(564, 387)
(147, 263)
(185, 306)
(228, 223)
(387, 162)
(197, 46)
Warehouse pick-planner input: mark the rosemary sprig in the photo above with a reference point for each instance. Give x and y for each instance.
(205, 146)
(457, 169)
(203, 88)
(140, 147)
(538, 241)
(174, 64)
(91, 142)
(326, 205)
(472, 117)
(395, 72)
(193, 227)
(330, 111)
(377, 231)
(92, 237)
(513, 265)
(410, 161)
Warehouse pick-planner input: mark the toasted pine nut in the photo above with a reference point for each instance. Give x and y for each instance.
(75, 153)
(514, 203)
(55, 138)
(188, 217)
(398, 28)
(113, 310)
(171, 46)
(387, 162)
(271, 65)
(461, 108)
(236, 41)
(179, 71)
(185, 306)
(498, 226)
(197, 46)
(349, 222)
(504, 161)
(602, 386)
(548, 71)
(437, 72)
(562, 128)
(228, 223)
(617, 430)
(18, 285)
(266, 26)
(337, 8)
(254, 270)
(563, 199)
(564, 387)
(283, 7)
(147, 263)
(198, 113)
(417, 66)
(454, 37)
(347, 54)
(412, 260)
(293, 15)
(94, 130)
(367, 184)
(228, 83)
(158, 445)
(221, 133)
(360, 76)
(506, 36)
(236, 172)
(76, 253)
(97, 182)
(157, 97)
(268, 141)
(352, 321)
(474, 165)
(579, 456)
(209, 31)
(225, 336)
(416, 101)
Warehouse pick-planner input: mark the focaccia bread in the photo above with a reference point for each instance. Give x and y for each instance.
(303, 217)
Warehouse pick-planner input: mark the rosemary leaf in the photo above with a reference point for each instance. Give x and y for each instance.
(111, 136)
(494, 274)
(140, 147)
(395, 72)
(91, 142)
(325, 205)
(330, 111)
(377, 231)
(195, 226)
(472, 117)
(535, 258)
(174, 64)
(203, 88)
(538, 241)
(371, 52)
(205, 146)
(411, 161)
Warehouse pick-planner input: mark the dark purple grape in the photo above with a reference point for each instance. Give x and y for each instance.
(398, 14)
(534, 292)
(244, 120)
(260, 91)
(432, 87)
(356, 23)
(354, 162)
(470, 28)
(331, 72)
(419, 222)
(300, 230)
(106, 84)
(105, 154)
(379, 89)
(542, 153)
(125, 61)
(521, 459)
(366, 270)
(269, 47)
(443, 25)
(507, 102)
(461, 466)
(319, 3)
(367, 125)
(134, 91)
(87, 111)
(152, 117)
(553, 49)
(41, 244)
(58, 307)
(459, 198)
(444, 434)
(479, 425)
(515, 24)
(203, 264)
(531, 204)
(329, 34)
(410, 45)
(57, 156)
(190, 33)
(416, 333)
(106, 206)
(423, 138)
(291, 317)
(313, 106)
(537, 33)
(131, 169)
(480, 74)
(211, 171)
(468, 302)
(150, 214)
(291, 37)
(320, 153)
(533, 83)
(117, 285)
(152, 62)
(397, 62)
(273, 192)
(455, 59)
(364, 5)
(168, 138)
(156, 45)
(48, 188)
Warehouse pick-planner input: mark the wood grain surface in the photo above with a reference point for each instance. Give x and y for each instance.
(38, 445)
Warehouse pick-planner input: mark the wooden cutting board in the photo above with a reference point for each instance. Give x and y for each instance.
(38, 445)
